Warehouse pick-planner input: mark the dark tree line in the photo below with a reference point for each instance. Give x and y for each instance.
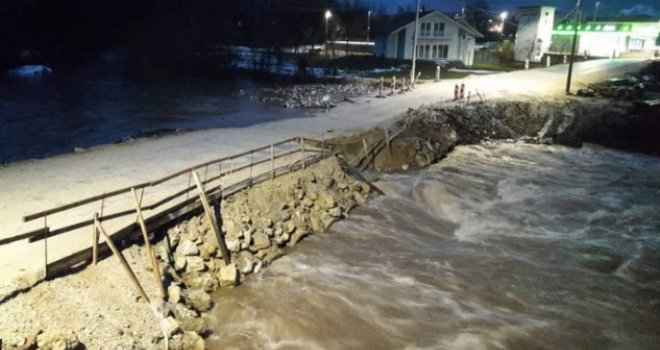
(165, 35)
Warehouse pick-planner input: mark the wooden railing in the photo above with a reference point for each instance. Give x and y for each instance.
(234, 173)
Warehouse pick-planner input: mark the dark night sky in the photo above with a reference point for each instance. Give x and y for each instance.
(634, 7)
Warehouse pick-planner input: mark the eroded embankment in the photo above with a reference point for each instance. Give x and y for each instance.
(428, 134)
(99, 308)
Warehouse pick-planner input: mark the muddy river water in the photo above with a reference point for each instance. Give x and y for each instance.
(496, 247)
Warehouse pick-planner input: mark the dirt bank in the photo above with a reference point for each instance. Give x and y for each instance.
(99, 308)
(426, 135)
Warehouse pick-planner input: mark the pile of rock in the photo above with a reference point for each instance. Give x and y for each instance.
(312, 95)
(258, 225)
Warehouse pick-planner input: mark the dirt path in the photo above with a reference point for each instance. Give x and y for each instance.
(32, 186)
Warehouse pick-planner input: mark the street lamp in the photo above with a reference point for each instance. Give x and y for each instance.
(503, 17)
(596, 10)
(327, 16)
(368, 24)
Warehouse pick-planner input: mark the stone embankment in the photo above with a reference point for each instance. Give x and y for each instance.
(259, 226)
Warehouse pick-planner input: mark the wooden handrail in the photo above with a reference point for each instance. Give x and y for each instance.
(88, 200)
(38, 235)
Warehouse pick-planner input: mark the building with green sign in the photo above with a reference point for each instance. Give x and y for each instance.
(608, 39)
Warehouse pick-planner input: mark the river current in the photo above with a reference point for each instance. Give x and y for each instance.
(504, 246)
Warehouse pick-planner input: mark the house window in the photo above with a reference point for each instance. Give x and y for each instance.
(442, 51)
(435, 51)
(425, 29)
(438, 29)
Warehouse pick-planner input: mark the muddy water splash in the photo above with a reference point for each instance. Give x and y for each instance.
(496, 247)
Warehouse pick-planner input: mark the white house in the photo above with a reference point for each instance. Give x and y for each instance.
(534, 33)
(441, 38)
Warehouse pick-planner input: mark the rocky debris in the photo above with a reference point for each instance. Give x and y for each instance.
(314, 95)
(58, 340)
(258, 224)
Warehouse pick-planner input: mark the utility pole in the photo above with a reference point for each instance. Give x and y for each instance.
(368, 24)
(327, 16)
(575, 34)
(414, 58)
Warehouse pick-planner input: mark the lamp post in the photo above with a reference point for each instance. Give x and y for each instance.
(503, 17)
(414, 56)
(575, 33)
(327, 16)
(368, 24)
(596, 10)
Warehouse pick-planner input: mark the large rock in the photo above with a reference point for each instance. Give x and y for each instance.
(180, 262)
(233, 244)
(195, 264)
(232, 229)
(200, 300)
(326, 201)
(187, 341)
(228, 275)
(245, 262)
(204, 281)
(261, 240)
(170, 326)
(174, 294)
(194, 324)
(187, 248)
(58, 340)
(182, 312)
(207, 250)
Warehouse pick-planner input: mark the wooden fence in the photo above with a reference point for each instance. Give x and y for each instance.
(170, 198)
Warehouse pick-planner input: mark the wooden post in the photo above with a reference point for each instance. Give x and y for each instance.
(251, 153)
(302, 149)
(272, 162)
(122, 260)
(46, 231)
(147, 244)
(218, 217)
(387, 139)
(95, 240)
(210, 216)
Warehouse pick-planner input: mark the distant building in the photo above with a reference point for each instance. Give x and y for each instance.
(608, 38)
(534, 34)
(441, 38)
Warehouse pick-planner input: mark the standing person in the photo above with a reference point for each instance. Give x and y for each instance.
(462, 90)
(455, 92)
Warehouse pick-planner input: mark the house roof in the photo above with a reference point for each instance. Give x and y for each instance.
(389, 24)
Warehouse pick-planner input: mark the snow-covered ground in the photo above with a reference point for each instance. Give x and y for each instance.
(31, 186)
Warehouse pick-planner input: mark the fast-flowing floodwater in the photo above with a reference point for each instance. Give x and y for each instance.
(98, 103)
(496, 247)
